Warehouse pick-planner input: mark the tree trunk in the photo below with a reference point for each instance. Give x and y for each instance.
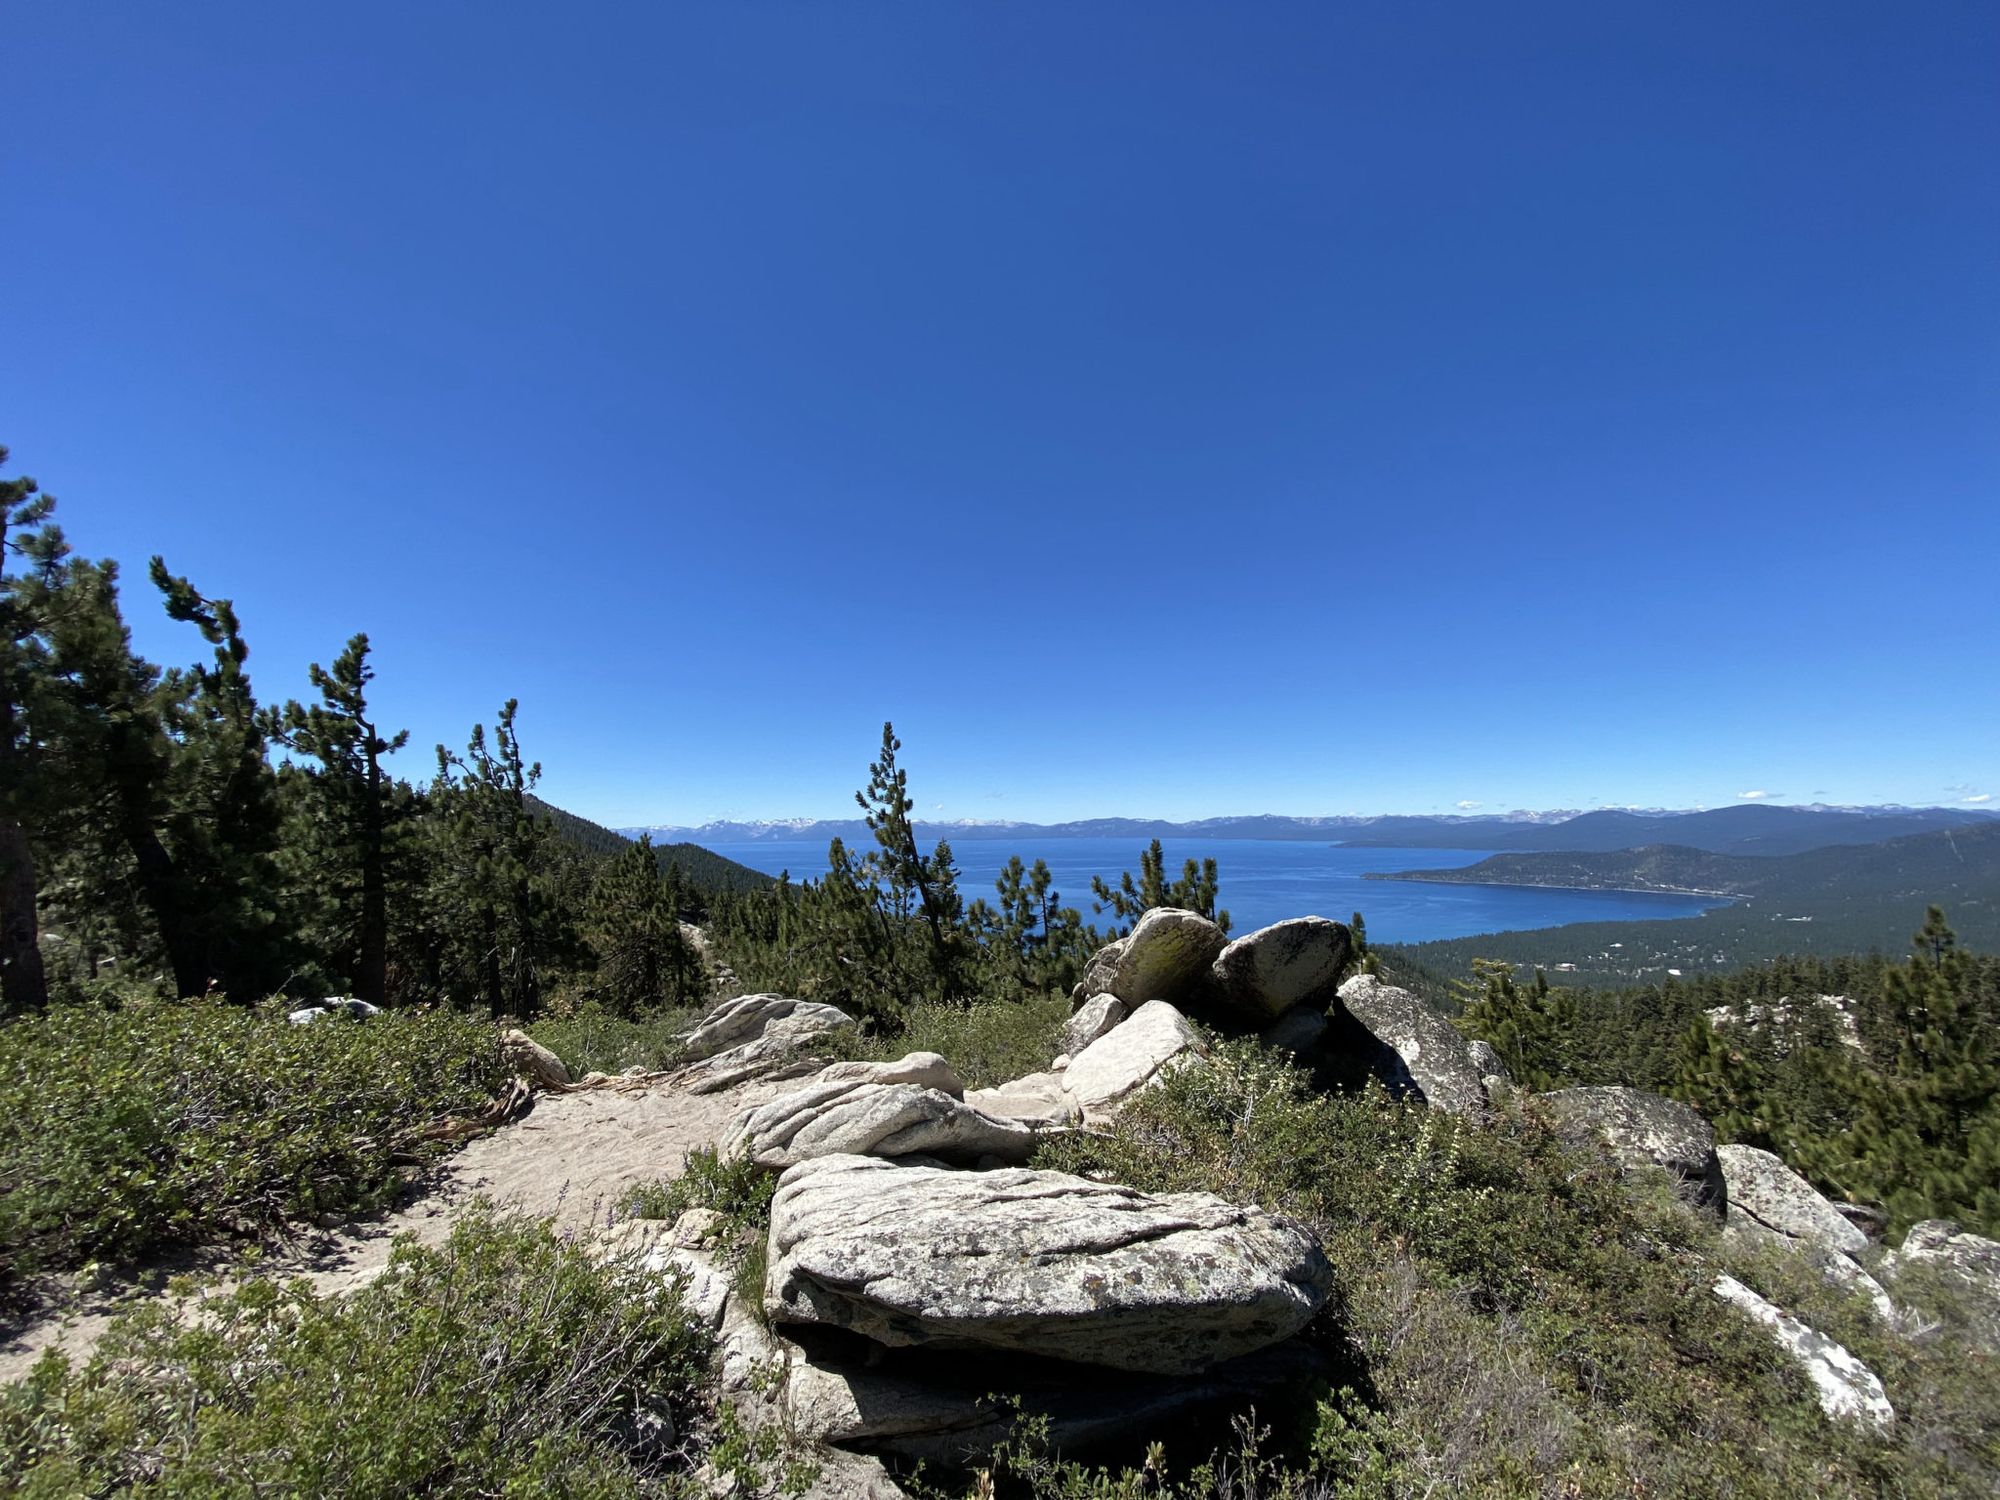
(371, 980)
(158, 885)
(23, 983)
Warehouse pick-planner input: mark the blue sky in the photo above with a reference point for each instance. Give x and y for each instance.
(1155, 409)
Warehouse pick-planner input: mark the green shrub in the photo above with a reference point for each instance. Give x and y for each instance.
(181, 1121)
(735, 1188)
(987, 1043)
(1518, 1320)
(590, 1038)
(506, 1362)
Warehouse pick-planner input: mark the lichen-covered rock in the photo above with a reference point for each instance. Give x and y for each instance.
(1649, 1130)
(907, 1108)
(1771, 1196)
(1265, 973)
(1420, 1052)
(1127, 1058)
(1848, 1390)
(1102, 969)
(1490, 1064)
(1036, 1263)
(1097, 1015)
(1166, 956)
(662, 1248)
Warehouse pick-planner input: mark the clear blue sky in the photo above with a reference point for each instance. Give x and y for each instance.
(1155, 409)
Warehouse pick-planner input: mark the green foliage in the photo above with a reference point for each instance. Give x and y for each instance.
(498, 868)
(506, 1362)
(635, 930)
(348, 846)
(1130, 900)
(592, 1038)
(987, 1043)
(1925, 1140)
(175, 1122)
(734, 1187)
(886, 929)
(1517, 1320)
(1534, 1029)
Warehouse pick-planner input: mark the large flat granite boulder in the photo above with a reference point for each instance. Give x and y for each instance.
(908, 1108)
(1036, 1263)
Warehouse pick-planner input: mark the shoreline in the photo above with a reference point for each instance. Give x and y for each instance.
(1731, 897)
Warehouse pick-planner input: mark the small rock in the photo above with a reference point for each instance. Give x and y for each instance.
(533, 1061)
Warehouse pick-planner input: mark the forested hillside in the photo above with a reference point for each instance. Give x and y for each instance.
(702, 869)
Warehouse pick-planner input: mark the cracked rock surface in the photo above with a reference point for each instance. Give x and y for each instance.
(1036, 1262)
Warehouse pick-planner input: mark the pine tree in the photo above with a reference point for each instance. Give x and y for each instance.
(642, 958)
(904, 873)
(1533, 1029)
(497, 859)
(27, 537)
(356, 812)
(1722, 1085)
(1925, 1116)
(221, 815)
(1129, 900)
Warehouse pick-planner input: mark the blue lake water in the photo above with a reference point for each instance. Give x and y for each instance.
(1267, 880)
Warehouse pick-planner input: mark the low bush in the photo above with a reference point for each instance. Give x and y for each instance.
(174, 1122)
(590, 1038)
(736, 1189)
(506, 1362)
(1514, 1319)
(987, 1044)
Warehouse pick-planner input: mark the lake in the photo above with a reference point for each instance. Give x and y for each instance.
(1267, 880)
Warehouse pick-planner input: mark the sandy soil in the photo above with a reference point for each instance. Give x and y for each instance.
(571, 1159)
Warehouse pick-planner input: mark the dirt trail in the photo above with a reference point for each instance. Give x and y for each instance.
(570, 1159)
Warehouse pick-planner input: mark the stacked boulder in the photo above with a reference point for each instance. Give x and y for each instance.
(1282, 983)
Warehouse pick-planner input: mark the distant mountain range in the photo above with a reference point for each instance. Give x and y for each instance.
(1752, 829)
